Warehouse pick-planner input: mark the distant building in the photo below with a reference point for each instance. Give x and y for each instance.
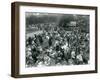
(72, 24)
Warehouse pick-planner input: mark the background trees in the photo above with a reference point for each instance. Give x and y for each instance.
(62, 20)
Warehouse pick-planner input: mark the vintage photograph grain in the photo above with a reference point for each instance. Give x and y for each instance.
(56, 39)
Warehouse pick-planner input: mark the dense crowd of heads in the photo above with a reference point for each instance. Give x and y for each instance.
(57, 46)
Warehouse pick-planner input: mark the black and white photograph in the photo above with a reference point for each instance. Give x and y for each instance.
(56, 39)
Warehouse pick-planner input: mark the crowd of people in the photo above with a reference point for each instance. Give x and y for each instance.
(57, 46)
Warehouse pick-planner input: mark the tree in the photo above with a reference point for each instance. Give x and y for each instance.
(66, 19)
(83, 22)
